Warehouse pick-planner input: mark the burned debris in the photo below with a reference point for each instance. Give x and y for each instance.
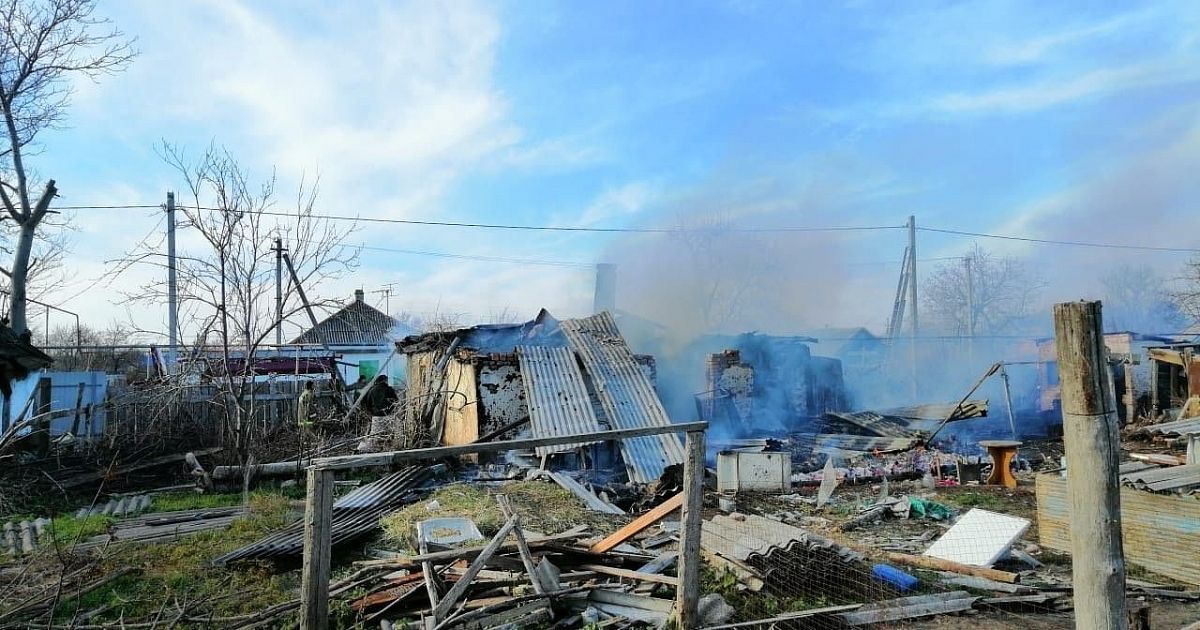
(531, 475)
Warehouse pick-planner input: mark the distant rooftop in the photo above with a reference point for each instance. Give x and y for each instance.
(356, 324)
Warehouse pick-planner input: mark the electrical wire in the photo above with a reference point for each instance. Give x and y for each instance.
(1047, 241)
(555, 228)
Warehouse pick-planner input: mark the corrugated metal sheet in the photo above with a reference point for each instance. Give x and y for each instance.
(558, 399)
(1159, 532)
(354, 516)
(835, 444)
(626, 394)
(1187, 426)
(791, 561)
(1179, 479)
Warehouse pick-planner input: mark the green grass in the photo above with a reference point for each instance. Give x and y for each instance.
(180, 501)
(181, 571)
(66, 530)
(543, 507)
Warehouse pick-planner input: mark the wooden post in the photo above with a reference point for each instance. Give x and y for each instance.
(687, 595)
(42, 428)
(318, 517)
(1131, 393)
(78, 409)
(1089, 411)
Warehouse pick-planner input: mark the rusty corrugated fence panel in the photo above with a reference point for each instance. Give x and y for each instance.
(626, 394)
(1159, 532)
(558, 399)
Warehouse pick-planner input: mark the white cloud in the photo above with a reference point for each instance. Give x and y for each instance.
(1052, 92)
(617, 203)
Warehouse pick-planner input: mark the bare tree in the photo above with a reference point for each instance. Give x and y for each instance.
(982, 294)
(1136, 298)
(1186, 298)
(226, 289)
(44, 45)
(105, 349)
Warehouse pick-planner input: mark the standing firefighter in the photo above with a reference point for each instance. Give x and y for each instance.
(381, 397)
(378, 403)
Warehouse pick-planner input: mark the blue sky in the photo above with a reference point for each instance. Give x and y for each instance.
(1051, 120)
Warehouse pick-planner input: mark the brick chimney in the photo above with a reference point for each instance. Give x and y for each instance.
(358, 295)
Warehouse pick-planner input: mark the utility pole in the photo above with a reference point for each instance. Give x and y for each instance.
(172, 287)
(1089, 411)
(278, 292)
(971, 310)
(912, 296)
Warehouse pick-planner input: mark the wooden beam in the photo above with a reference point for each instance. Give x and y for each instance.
(522, 546)
(1093, 446)
(318, 517)
(438, 452)
(640, 523)
(464, 553)
(687, 596)
(460, 587)
(938, 564)
(630, 574)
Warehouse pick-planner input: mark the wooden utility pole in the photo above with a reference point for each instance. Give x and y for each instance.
(1089, 411)
(687, 595)
(172, 286)
(278, 247)
(318, 539)
(912, 297)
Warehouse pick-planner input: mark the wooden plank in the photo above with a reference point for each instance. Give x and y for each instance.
(660, 563)
(461, 425)
(1160, 533)
(937, 564)
(687, 596)
(630, 574)
(465, 553)
(523, 547)
(438, 452)
(460, 587)
(318, 517)
(640, 523)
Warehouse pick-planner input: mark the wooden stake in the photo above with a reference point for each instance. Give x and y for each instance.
(1089, 411)
(460, 587)
(687, 595)
(318, 517)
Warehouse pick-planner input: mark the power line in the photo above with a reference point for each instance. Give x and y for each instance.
(1047, 241)
(501, 259)
(559, 228)
(553, 228)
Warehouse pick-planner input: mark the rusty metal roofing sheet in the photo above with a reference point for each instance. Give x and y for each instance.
(354, 516)
(626, 394)
(558, 399)
(1187, 426)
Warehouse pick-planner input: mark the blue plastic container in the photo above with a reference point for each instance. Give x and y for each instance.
(898, 579)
